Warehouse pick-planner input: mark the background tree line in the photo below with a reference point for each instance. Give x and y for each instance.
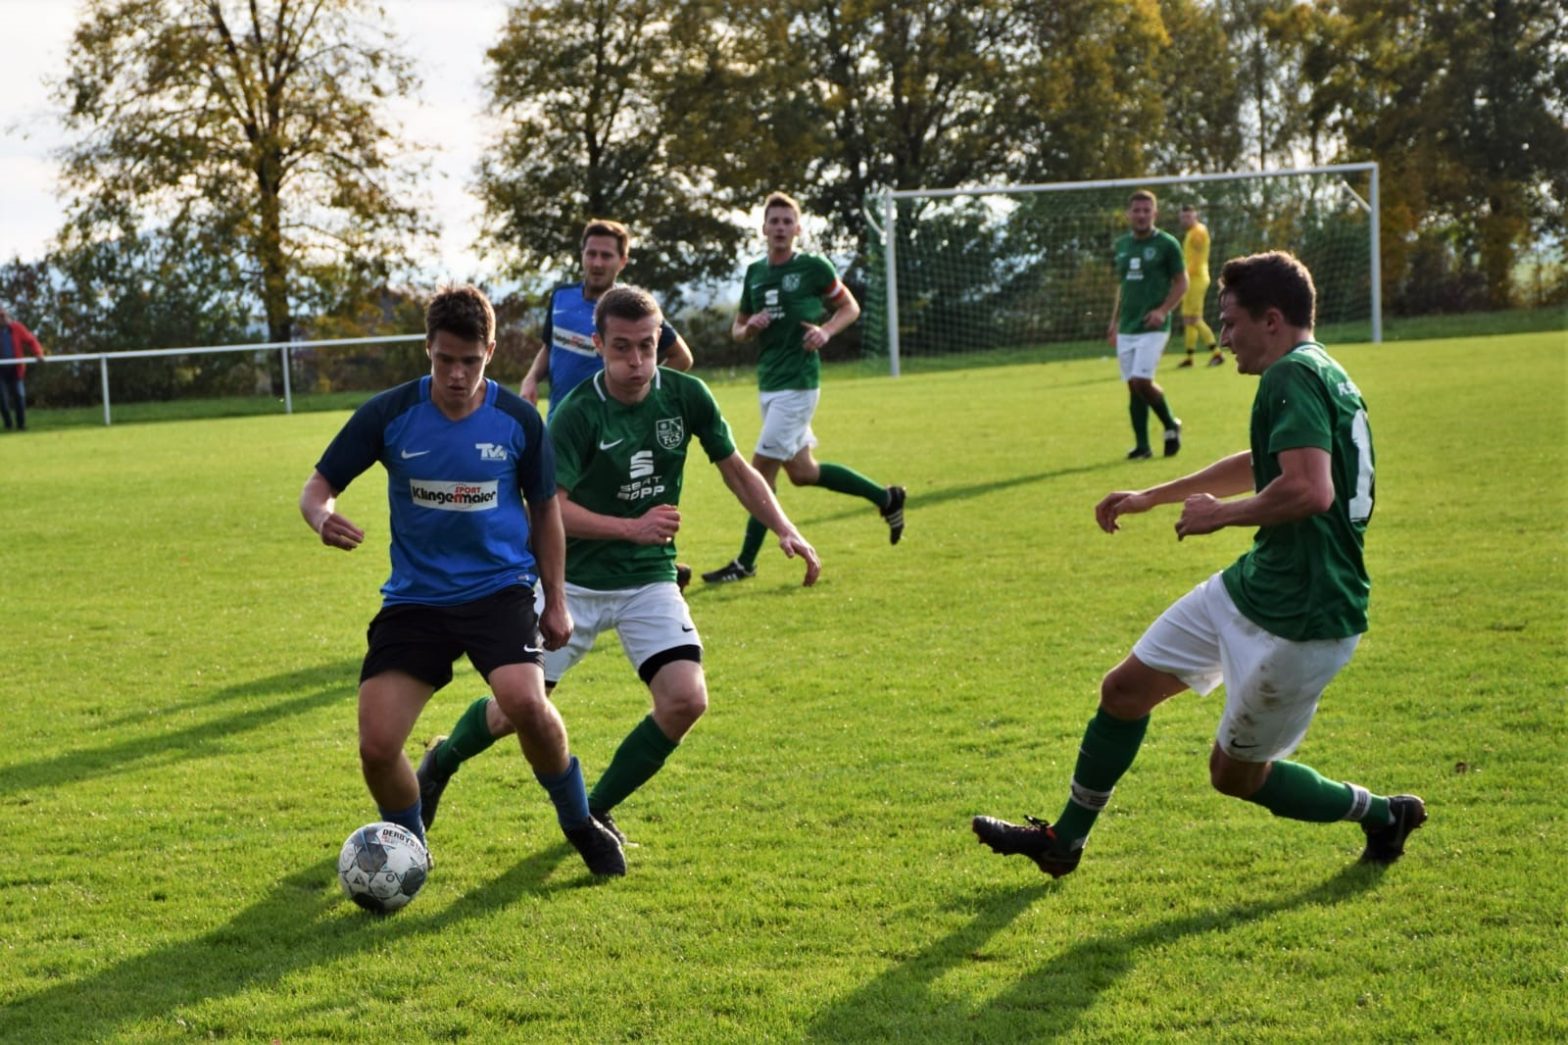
(234, 161)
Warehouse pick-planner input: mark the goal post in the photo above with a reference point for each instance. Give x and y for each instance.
(1025, 270)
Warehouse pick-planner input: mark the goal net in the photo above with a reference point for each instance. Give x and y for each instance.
(1024, 272)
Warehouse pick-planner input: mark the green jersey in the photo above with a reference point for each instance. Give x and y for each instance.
(1306, 579)
(1145, 269)
(621, 460)
(791, 293)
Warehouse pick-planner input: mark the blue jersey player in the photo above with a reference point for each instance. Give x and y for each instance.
(462, 456)
(568, 357)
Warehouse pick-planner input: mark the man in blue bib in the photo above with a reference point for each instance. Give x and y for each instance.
(475, 524)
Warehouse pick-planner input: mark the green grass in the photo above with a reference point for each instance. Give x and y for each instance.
(180, 769)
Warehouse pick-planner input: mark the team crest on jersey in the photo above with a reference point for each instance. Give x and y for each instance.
(1148, 253)
(671, 432)
(791, 282)
(490, 451)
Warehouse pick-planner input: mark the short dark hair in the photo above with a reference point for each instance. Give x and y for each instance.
(1142, 194)
(463, 311)
(1188, 208)
(1273, 279)
(780, 199)
(624, 301)
(606, 227)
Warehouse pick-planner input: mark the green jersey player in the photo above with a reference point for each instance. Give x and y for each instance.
(1151, 279)
(792, 303)
(1279, 623)
(621, 443)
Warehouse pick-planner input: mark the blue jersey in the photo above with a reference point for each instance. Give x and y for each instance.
(455, 489)
(568, 331)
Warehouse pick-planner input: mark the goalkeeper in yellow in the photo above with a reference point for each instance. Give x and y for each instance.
(1195, 250)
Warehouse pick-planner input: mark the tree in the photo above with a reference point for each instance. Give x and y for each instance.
(1462, 103)
(584, 91)
(255, 130)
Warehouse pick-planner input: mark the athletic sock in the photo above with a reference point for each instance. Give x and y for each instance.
(406, 818)
(756, 533)
(1109, 746)
(1298, 792)
(639, 757)
(1162, 410)
(1189, 335)
(840, 479)
(1140, 420)
(469, 737)
(568, 794)
(1207, 333)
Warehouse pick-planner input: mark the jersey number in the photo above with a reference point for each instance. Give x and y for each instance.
(1361, 435)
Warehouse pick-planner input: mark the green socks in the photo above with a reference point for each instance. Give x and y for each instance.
(1109, 746)
(639, 757)
(1140, 420)
(833, 477)
(839, 479)
(1163, 412)
(469, 737)
(756, 533)
(1297, 792)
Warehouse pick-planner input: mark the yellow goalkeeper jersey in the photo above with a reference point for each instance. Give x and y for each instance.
(1195, 251)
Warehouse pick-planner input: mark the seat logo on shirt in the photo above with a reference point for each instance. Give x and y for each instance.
(490, 451)
(454, 496)
(671, 432)
(642, 464)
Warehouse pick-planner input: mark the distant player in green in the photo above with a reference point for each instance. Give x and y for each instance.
(793, 303)
(621, 443)
(1275, 626)
(1151, 277)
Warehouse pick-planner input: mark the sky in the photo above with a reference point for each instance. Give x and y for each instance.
(448, 39)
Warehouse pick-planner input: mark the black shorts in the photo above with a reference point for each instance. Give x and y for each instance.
(424, 641)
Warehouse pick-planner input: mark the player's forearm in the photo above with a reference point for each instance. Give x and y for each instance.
(1226, 477)
(547, 535)
(843, 317)
(1178, 291)
(679, 356)
(580, 522)
(752, 491)
(317, 501)
(1304, 488)
(539, 369)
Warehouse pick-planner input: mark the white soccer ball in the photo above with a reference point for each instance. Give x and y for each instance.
(382, 866)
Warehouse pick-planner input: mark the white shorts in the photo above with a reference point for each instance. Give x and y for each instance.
(786, 422)
(1272, 684)
(649, 620)
(1139, 354)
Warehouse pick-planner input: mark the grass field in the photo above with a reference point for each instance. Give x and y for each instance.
(179, 766)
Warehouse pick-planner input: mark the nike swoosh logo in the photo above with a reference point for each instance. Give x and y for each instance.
(407, 455)
(533, 649)
(685, 628)
(606, 446)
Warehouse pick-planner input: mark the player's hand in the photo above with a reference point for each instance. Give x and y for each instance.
(756, 323)
(555, 624)
(338, 532)
(814, 338)
(658, 525)
(1155, 319)
(794, 544)
(1200, 514)
(1118, 503)
(1110, 334)
(529, 390)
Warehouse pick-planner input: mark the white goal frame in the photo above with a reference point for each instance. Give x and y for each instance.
(889, 215)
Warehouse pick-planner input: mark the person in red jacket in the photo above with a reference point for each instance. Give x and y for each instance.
(15, 342)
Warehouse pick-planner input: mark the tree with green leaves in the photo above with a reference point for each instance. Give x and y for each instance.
(583, 89)
(255, 130)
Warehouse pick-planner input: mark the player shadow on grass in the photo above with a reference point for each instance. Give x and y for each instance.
(325, 684)
(304, 922)
(1049, 1001)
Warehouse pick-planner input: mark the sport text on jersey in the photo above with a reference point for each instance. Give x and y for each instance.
(454, 496)
(644, 483)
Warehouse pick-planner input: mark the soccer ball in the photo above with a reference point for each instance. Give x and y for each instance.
(382, 866)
